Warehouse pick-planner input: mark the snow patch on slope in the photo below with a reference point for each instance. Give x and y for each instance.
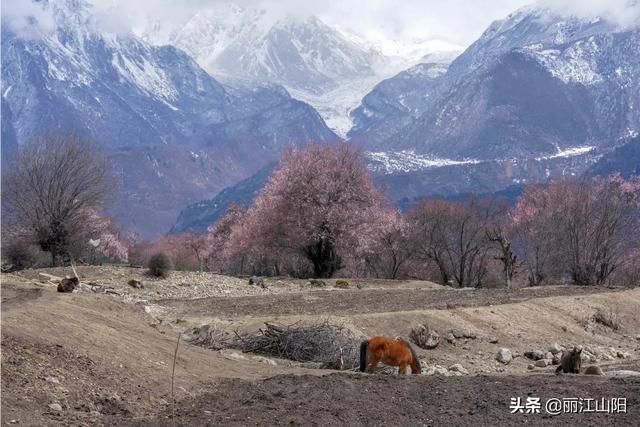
(408, 161)
(569, 152)
(575, 64)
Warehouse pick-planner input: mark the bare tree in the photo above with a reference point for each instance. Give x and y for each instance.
(499, 232)
(453, 236)
(578, 229)
(53, 189)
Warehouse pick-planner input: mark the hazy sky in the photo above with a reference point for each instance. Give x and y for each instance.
(458, 21)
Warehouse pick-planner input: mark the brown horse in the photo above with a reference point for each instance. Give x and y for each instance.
(392, 352)
(570, 362)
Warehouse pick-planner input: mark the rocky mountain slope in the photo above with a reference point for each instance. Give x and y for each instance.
(176, 134)
(534, 84)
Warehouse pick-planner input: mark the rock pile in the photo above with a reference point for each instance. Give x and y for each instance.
(424, 337)
(453, 370)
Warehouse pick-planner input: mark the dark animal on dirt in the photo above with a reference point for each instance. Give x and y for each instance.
(68, 284)
(392, 352)
(570, 362)
(593, 370)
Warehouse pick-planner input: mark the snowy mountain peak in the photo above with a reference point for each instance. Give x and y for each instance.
(327, 67)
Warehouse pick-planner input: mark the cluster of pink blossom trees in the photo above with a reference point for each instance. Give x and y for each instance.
(320, 214)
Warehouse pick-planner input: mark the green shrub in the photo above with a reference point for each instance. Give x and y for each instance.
(341, 283)
(317, 283)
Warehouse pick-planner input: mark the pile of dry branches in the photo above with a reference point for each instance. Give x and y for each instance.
(334, 346)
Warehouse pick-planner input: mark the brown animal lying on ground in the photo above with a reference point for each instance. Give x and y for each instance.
(570, 362)
(68, 284)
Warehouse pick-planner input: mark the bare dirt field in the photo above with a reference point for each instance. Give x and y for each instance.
(374, 300)
(96, 359)
(340, 399)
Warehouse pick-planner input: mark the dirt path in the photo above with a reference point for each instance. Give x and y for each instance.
(359, 301)
(354, 400)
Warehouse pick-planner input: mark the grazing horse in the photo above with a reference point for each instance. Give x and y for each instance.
(392, 352)
(570, 362)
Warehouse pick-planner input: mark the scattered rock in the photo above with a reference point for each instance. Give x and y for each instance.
(504, 356)
(592, 350)
(556, 358)
(587, 357)
(542, 363)
(312, 365)
(534, 355)
(622, 355)
(232, 354)
(458, 368)
(53, 380)
(265, 360)
(493, 340)
(593, 370)
(434, 370)
(55, 407)
(459, 333)
(548, 355)
(638, 337)
(424, 337)
(555, 348)
(531, 366)
(257, 281)
(135, 283)
(450, 338)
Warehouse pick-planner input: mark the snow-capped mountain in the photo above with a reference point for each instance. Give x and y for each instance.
(176, 133)
(537, 96)
(533, 85)
(395, 102)
(324, 66)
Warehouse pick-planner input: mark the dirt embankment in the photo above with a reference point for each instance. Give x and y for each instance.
(88, 352)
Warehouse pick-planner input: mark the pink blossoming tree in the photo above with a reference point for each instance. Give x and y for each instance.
(313, 207)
